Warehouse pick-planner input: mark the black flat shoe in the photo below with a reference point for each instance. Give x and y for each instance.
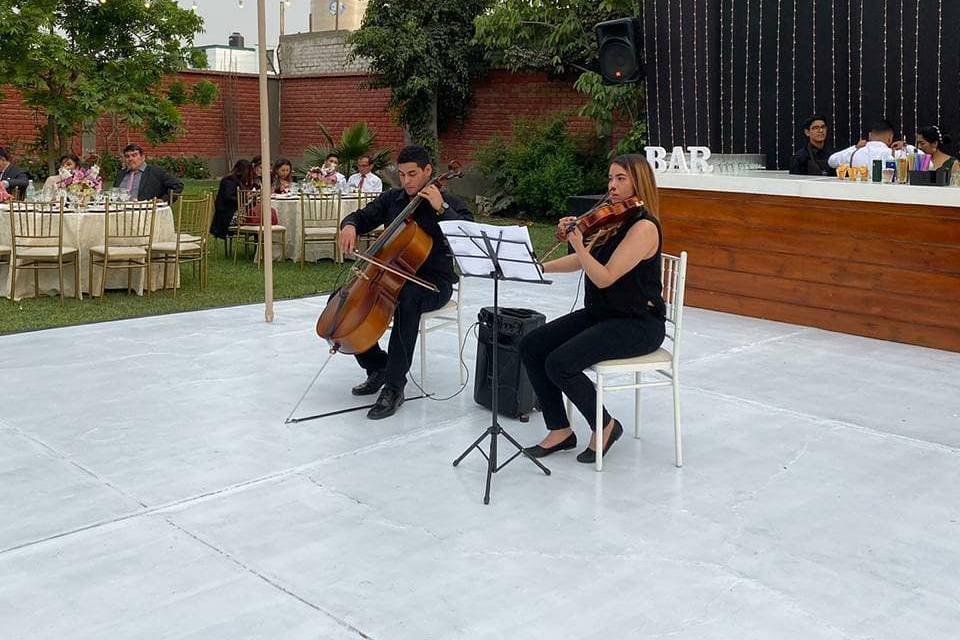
(536, 451)
(589, 456)
(387, 403)
(371, 385)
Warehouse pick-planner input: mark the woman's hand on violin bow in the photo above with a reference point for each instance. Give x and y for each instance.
(575, 238)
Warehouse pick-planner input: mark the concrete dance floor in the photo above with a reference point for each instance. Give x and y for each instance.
(149, 488)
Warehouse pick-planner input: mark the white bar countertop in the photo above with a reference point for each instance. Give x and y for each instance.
(780, 183)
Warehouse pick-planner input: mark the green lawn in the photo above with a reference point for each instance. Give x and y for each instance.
(229, 284)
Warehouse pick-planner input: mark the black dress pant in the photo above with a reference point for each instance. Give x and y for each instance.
(412, 302)
(556, 354)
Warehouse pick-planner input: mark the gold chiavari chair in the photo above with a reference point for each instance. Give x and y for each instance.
(250, 225)
(364, 241)
(36, 234)
(320, 223)
(127, 236)
(192, 217)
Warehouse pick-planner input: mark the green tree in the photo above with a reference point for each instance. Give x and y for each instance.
(75, 61)
(557, 36)
(423, 51)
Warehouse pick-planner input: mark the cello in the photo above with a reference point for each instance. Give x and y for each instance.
(359, 313)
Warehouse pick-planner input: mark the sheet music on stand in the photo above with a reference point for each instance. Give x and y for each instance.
(512, 244)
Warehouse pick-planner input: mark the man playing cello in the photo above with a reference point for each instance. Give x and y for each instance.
(387, 370)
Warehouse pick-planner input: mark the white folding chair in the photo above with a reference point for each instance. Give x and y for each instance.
(663, 362)
(450, 313)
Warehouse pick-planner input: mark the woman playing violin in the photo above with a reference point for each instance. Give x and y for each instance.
(623, 314)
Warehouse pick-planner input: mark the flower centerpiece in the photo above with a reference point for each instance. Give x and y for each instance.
(82, 184)
(324, 177)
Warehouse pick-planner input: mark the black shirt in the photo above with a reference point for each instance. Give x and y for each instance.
(388, 205)
(637, 292)
(810, 161)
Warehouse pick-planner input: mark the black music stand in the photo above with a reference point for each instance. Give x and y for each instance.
(484, 254)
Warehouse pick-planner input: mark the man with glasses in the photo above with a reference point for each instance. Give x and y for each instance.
(812, 159)
(364, 180)
(143, 181)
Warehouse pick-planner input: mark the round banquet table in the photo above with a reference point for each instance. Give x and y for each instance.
(84, 230)
(288, 215)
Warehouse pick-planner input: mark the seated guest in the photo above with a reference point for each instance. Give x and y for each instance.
(282, 177)
(257, 163)
(364, 180)
(67, 162)
(143, 181)
(811, 160)
(11, 176)
(329, 170)
(879, 146)
(225, 206)
(934, 142)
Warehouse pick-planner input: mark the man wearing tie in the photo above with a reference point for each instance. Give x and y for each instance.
(364, 181)
(143, 181)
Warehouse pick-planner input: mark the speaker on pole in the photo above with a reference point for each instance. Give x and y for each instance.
(620, 45)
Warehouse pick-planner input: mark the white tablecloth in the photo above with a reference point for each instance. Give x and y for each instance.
(288, 214)
(84, 230)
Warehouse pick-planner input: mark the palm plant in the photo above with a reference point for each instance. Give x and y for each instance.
(355, 141)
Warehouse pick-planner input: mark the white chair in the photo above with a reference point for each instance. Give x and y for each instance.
(450, 313)
(664, 362)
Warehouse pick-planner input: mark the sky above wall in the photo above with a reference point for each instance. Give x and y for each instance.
(223, 17)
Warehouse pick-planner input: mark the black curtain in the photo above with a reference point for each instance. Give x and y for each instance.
(740, 75)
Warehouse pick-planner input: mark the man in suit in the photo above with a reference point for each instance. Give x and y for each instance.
(143, 181)
(11, 176)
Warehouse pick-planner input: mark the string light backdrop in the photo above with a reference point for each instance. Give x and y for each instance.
(740, 75)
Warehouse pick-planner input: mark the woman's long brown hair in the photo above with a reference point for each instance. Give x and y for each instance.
(644, 183)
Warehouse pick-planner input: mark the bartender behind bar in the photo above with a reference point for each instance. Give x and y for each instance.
(812, 159)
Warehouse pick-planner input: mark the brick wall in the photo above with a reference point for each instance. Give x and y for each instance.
(204, 126)
(18, 124)
(336, 101)
(503, 96)
(340, 101)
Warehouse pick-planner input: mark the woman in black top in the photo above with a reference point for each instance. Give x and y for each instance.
(623, 314)
(225, 206)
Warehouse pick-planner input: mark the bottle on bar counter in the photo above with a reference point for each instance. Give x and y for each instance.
(903, 171)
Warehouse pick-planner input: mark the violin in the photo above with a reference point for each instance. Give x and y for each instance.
(601, 218)
(359, 313)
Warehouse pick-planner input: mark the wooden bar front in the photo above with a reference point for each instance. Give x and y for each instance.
(889, 271)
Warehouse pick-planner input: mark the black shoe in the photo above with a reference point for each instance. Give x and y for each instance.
(589, 456)
(371, 385)
(536, 451)
(387, 403)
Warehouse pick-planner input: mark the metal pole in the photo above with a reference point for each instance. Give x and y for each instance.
(265, 184)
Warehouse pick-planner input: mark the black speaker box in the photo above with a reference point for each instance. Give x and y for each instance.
(516, 397)
(620, 44)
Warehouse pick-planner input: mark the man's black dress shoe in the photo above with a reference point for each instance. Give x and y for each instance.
(589, 456)
(387, 403)
(537, 451)
(371, 385)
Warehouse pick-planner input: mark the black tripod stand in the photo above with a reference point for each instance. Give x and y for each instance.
(487, 250)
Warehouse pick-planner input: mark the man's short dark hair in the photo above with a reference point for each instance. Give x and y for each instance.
(5, 154)
(365, 157)
(133, 147)
(811, 119)
(414, 153)
(332, 155)
(881, 126)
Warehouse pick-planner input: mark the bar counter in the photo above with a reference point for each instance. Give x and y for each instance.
(869, 259)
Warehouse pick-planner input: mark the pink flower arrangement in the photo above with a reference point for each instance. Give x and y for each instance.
(322, 176)
(82, 183)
